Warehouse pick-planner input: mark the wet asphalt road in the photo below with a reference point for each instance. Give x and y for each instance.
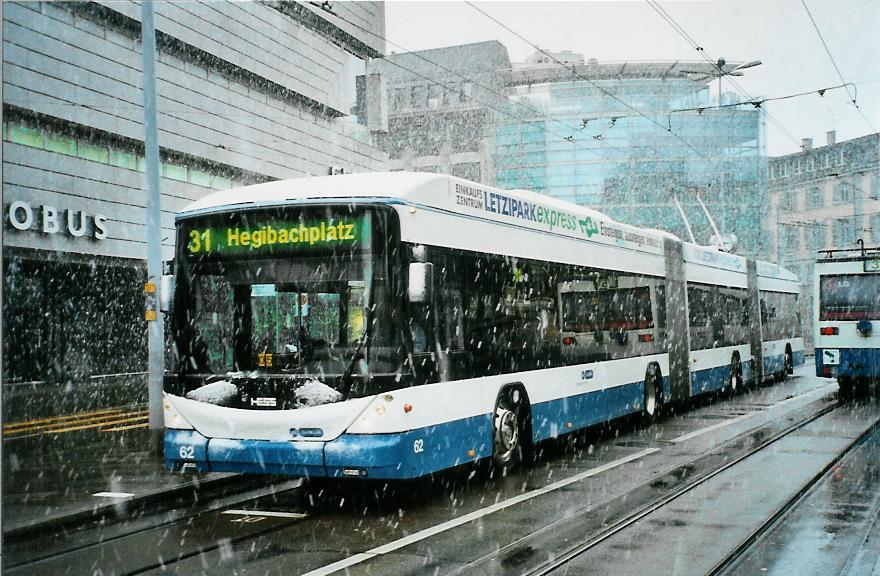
(472, 523)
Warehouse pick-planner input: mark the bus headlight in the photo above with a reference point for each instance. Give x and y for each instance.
(173, 418)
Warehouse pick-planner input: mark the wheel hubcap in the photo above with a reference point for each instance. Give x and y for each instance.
(506, 430)
(650, 399)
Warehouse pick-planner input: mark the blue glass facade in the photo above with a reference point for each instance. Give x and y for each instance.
(584, 146)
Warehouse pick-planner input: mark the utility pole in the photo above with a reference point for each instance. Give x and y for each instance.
(153, 315)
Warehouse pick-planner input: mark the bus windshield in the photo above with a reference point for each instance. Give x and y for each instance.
(849, 297)
(295, 294)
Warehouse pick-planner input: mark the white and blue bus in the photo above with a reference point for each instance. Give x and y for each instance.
(846, 310)
(394, 325)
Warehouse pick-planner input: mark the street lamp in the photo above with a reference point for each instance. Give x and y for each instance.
(722, 68)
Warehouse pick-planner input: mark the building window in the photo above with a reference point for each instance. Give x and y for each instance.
(815, 236)
(814, 197)
(875, 227)
(790, 238)
(786, 200)
(53, 141)
(467, 170)
(875, 186)
(844, 233)
(842, 193)
(174, 171)
(354, 68)
(401, 99)
(61, 144)
(89, 151)
(122, 159)
(26, 135)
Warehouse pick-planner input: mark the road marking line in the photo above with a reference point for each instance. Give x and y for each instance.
(696, 433)
(470, 517)
(268, 513)
(113, 494)
(806, 396)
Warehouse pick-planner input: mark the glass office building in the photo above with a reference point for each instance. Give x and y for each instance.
(613, 136)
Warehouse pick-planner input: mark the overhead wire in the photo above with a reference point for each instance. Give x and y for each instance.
(569, 138)
(689, 39)
(836, 67)
(574, 71)
(714, 164)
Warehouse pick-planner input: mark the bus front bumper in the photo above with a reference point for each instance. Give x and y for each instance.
(848, 362)
(380, 456)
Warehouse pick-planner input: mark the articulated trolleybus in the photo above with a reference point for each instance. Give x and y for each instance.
(394, 325)
(846, 309)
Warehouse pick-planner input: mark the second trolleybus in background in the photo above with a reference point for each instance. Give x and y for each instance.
(394, 325)
(847, 316)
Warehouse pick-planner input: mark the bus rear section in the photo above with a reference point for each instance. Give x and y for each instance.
(847, 314)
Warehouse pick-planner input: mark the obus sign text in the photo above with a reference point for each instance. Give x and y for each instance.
(76, 223)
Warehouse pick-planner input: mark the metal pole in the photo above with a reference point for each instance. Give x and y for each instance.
(156, 327)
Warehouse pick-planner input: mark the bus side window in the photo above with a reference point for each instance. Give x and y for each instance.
(660, 296)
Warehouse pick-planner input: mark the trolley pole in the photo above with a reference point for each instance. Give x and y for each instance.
(153, 315)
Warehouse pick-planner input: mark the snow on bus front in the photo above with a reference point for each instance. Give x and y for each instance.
(252, 407)
(282, 321)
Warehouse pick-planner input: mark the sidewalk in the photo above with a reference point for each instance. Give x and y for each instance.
(88, 466)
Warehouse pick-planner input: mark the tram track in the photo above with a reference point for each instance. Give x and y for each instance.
(680, 480)
(728, 564)
(186, 534)
(57, 546)
(563, 558)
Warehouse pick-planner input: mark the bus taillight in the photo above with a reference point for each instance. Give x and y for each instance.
(829, 331)
(569, 341)
(646, 337)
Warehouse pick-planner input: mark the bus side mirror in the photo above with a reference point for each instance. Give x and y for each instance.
(166, 292)
(421, 281)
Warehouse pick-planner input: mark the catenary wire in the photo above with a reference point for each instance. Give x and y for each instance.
(671, 21)
(836, 68)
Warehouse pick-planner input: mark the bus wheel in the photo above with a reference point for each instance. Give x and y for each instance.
(510, 428)
(653, 394)
(789, 363)
(846, 387)
(735, 374)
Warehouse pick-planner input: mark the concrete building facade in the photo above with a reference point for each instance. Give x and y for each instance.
(247, 92)
(823, 197)
(441, 108)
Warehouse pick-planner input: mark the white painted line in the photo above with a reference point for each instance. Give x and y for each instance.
(113, 494)
(696, 433)
(805, 397)
(470, 517)
(268, 513)
(818, 392)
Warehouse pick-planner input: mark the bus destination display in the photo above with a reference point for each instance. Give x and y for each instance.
(277, 236)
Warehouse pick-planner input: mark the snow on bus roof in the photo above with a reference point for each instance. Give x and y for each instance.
(432, 189)
(419, 187)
